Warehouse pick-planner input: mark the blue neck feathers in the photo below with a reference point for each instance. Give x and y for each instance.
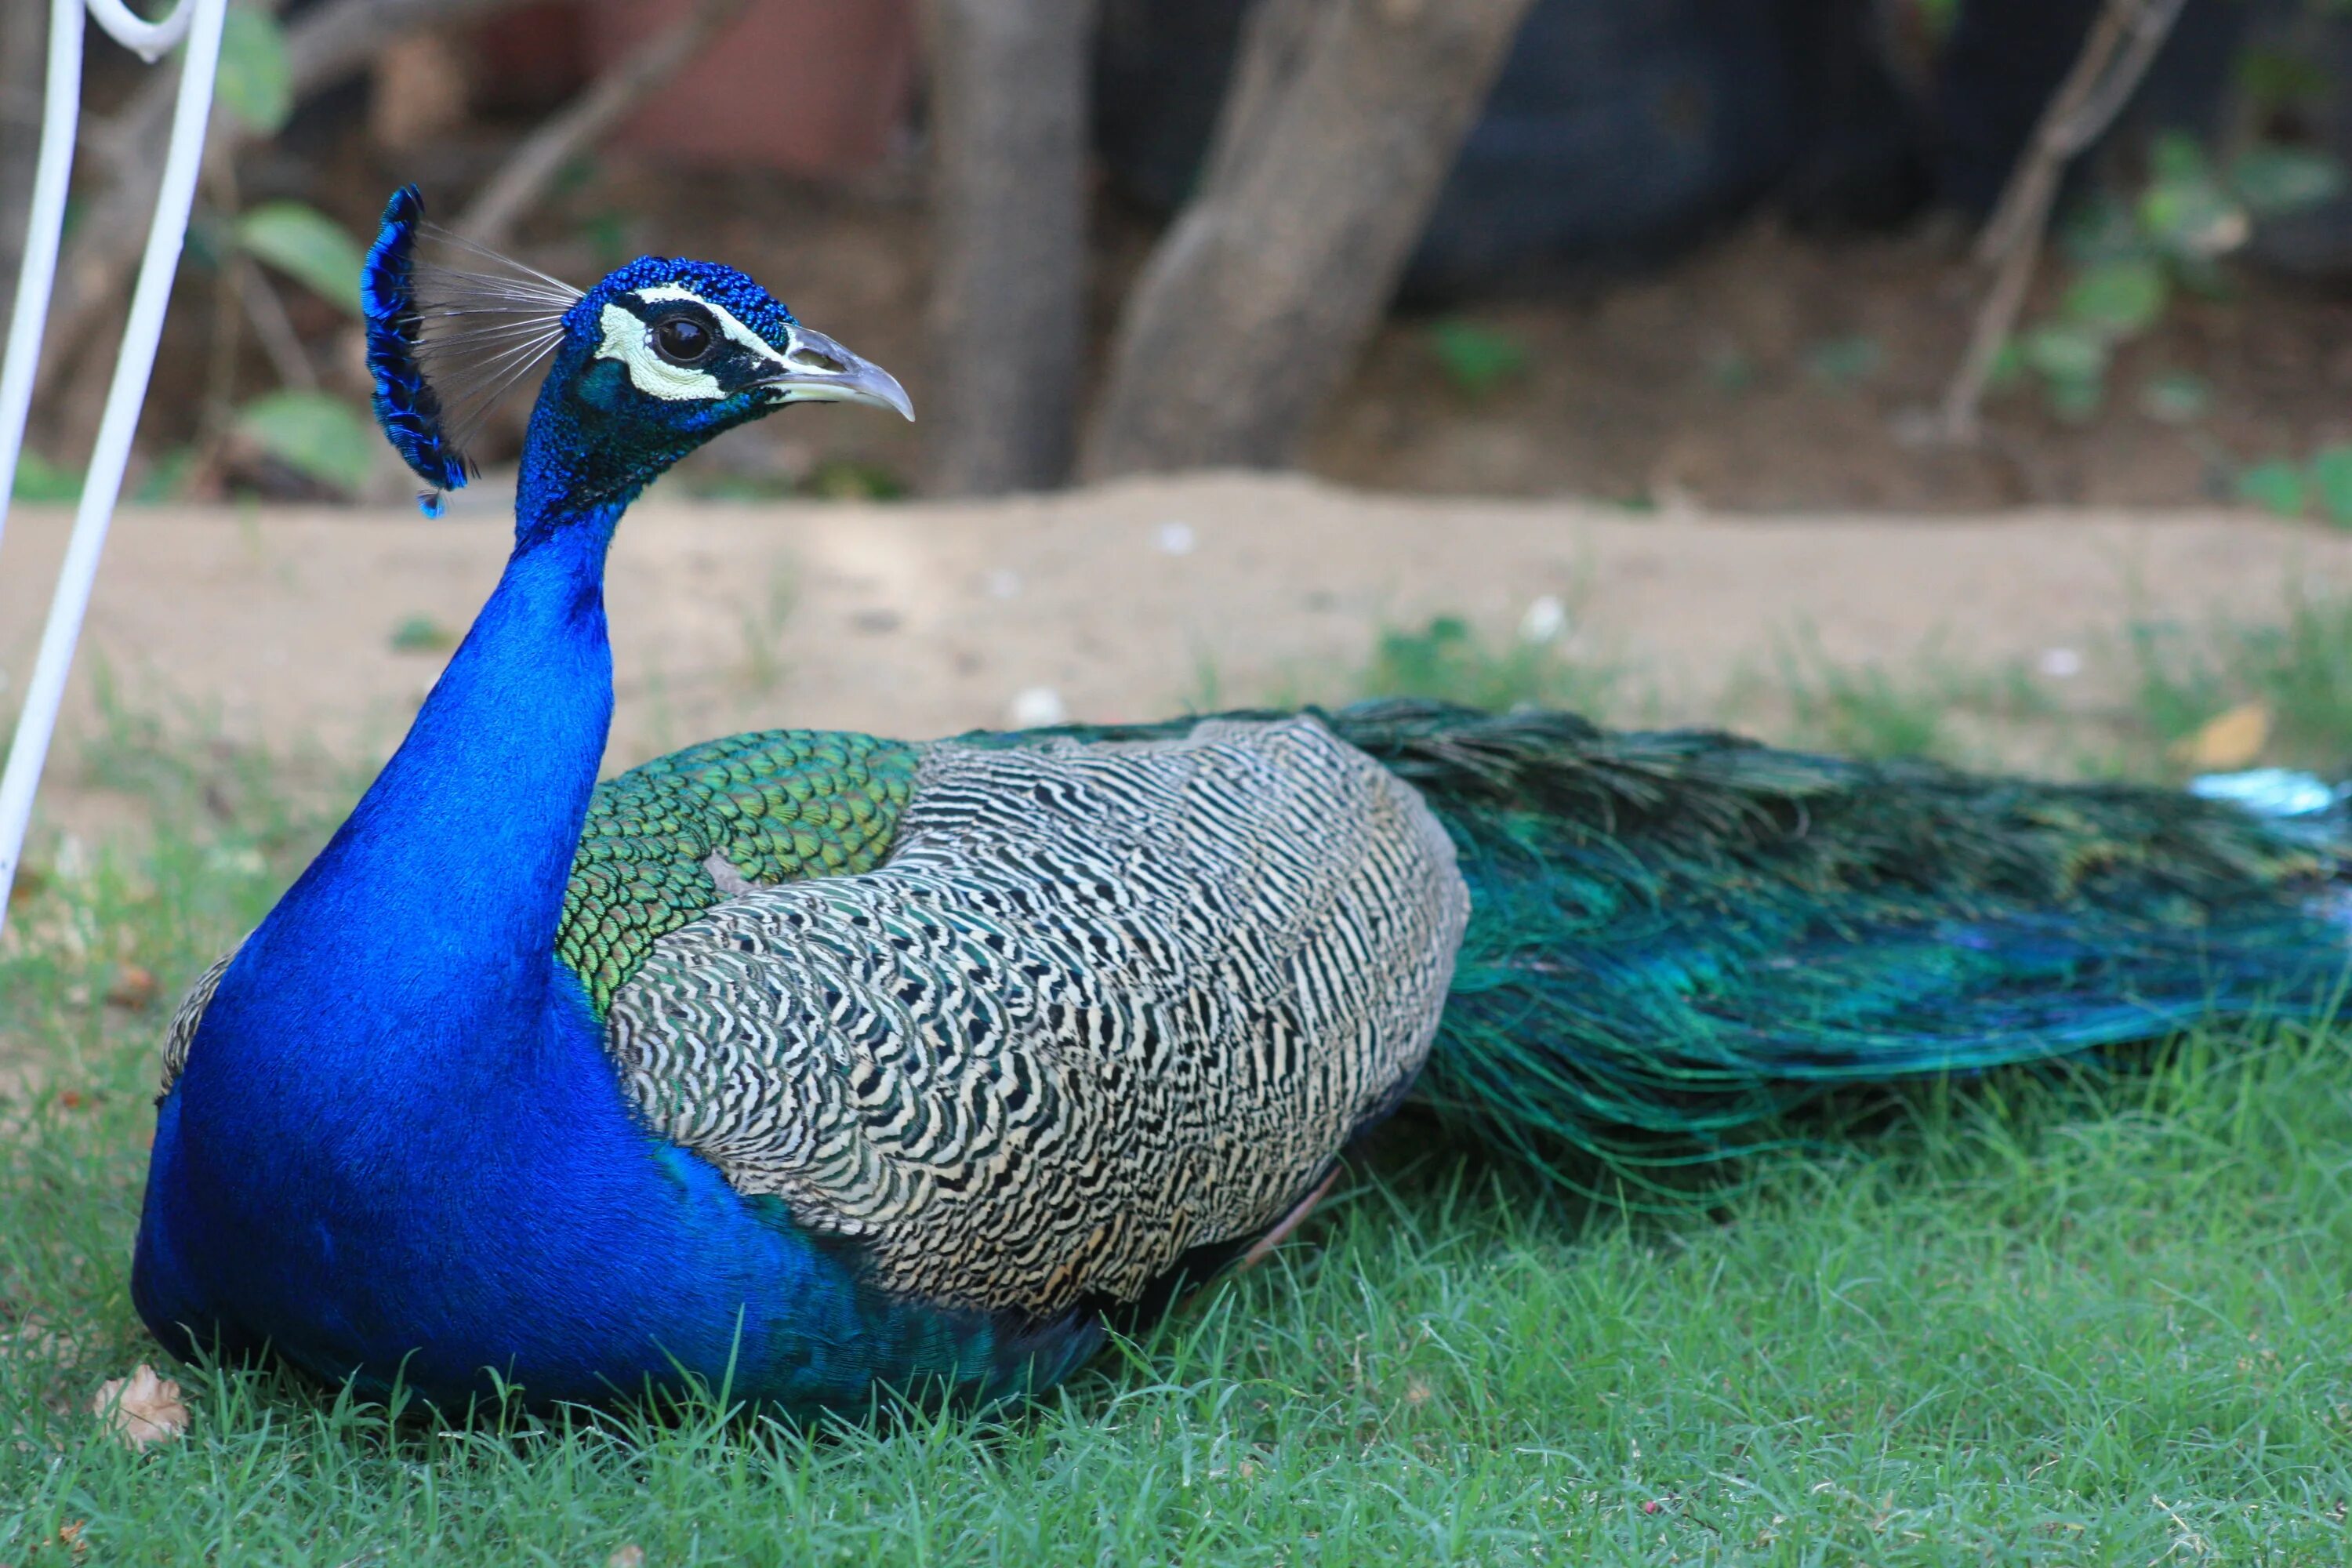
(398, 1148)
(430, 917)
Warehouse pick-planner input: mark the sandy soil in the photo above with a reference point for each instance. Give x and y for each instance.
(279, 626)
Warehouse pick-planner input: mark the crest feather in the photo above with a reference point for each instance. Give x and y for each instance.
(446, 339)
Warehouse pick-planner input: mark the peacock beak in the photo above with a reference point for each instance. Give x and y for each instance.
(815, 369)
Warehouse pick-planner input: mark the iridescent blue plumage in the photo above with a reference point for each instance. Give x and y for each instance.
(407, 405)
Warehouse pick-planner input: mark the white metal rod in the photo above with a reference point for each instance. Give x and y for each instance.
(150, 41)
(38, 271)
(104, 483)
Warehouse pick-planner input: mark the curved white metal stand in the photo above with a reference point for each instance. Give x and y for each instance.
(199, 22)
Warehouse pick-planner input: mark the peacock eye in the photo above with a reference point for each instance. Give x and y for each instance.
(682, 340)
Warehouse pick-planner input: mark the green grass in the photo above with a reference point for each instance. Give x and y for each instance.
(1935, 705)
(2037, 1321)
(1871, 711)
(2299, 667)
(1443, 658)
(1447, 658)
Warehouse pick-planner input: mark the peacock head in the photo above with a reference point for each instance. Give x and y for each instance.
(650, 364)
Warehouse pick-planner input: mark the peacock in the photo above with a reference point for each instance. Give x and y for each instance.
(823, 1069)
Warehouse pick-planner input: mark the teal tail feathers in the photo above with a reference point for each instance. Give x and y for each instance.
(1677, 937)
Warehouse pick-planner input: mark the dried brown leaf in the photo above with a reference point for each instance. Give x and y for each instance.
(2230, 740)
(133, 989)
(142, 1409)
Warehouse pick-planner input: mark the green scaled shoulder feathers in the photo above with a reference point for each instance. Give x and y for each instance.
(766, 807)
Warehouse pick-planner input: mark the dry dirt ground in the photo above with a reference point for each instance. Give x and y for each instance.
(285, 626)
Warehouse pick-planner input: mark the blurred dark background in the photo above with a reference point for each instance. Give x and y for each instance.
(1648, 250)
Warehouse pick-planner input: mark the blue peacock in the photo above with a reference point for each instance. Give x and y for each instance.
(815, 1066)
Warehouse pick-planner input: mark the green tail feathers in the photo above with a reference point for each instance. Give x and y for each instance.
(1677, 937)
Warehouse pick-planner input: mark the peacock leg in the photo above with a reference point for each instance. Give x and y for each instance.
(1287, 1224)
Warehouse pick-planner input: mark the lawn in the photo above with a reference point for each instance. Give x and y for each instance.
(2036, 1319)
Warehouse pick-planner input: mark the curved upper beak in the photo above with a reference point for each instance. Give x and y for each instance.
(815, 369)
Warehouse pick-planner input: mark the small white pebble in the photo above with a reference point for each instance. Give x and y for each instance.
(1175, 539)
(2061, 663)
(1034, 705)
(1004, 583)
(1546, 620)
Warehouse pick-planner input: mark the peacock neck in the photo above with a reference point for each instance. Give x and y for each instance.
(428, 922)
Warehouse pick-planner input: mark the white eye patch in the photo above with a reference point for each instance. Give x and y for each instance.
(628, 339)
(735, 332)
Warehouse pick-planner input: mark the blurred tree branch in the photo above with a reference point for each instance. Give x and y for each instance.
(2121, 45)
(324, 45)
(524, 177)
(1343, 119)
(1009, 92)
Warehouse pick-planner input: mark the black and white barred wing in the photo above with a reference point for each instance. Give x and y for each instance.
(1105, 1002)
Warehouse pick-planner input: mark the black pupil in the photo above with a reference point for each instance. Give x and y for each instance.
(681, 338)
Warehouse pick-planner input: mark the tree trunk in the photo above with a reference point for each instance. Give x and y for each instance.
(1009, 123)
(1342, 122)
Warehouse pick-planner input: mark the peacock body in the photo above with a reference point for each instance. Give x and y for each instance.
(811, 1064)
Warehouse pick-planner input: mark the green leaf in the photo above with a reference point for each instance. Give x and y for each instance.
(2007, 364)
(2331, 483)
(167, 477)
(2277, 78)
(307, 246)
(2076, 399)
(1477, 359)
(2101, 227)
(2121, 299)
(2275, 485)
(2178, 155)
(317, 436)
(255, 83)
(2067, 351)
(422, 633)
(2206, 278)
(2272, 180)
(2193, 217)
(1938, 18)
(846, 479)
(2176, 397)
(39, 480)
